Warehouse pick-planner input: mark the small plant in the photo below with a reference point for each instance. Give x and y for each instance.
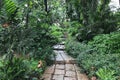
(56, 31)
(13, 69)
(106, 74)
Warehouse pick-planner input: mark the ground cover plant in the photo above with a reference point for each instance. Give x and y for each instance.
(19, 68)
(97, 56)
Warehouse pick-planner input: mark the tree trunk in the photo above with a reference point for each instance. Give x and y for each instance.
(27, 15)
(119, 2)
(0, 4)
(46, 7)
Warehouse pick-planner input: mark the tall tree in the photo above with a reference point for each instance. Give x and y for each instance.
(46, 6)
(27, 14)
(0, 4)
(119, 2)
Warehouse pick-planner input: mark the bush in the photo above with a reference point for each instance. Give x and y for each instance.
(106, 43)
(92, 62)
(56, 31)
(102, 21)
(14, 69)
(102, 51)
(19, 69)
(106, 74)
(33, 41)
(73, 27)
(74, 48)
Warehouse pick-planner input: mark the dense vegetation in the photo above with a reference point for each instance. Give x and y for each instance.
(27, 34)
(100, 53)
(94, 38)
(29, 29)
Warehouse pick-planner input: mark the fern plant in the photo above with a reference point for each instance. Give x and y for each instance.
(10, 7)
(106, 74)
(8, 11)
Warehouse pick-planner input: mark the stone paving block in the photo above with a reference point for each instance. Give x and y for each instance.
(70, 74)
(70, 67)
(69, 78)
(82, 77)
(61, 72)
(58, 58)
(47, 76)
(50, 70)
(68, 59)
(59, 47)
(60, 66)
(76, 67)
(59, 62)
(62, 43)
(58, 77)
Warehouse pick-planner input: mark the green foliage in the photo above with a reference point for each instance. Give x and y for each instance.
(106, 74)
(57, 10)
(20, 69)
(36, 41)
(103, 20)
(92, 62)
(33, 71)
(102, 51)
(56, 31)
(8, 11)
(75, 48)
(13, 69)
(117, 14)
(73, 27)
(108, 43)
(26, 30)
(10, 7)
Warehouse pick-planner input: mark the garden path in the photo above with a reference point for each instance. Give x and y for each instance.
(64, 68)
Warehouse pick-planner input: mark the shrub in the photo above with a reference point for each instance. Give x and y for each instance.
(74, 48)
(73, 27)
(34, 41)
(106, 74)
(33, 70)
(102, 51)
(13, 69)
(20, 69)
(56, 31)
(107, 43)
(102, 21)
(92, 62)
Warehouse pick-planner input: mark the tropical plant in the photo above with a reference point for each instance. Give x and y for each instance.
(8, 11)
(106, 74)
(13, 69)
(18, 68)
(101, 21)
(102, 51)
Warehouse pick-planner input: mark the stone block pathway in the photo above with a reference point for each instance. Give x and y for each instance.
(64, 68)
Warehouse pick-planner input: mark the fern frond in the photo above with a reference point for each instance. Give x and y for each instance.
(10, 7)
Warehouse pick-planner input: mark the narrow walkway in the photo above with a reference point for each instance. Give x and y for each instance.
(64, 67)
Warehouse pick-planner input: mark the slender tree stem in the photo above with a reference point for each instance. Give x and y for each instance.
(27, 14)
(46, 7)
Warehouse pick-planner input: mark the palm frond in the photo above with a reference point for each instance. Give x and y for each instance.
(10, 7)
